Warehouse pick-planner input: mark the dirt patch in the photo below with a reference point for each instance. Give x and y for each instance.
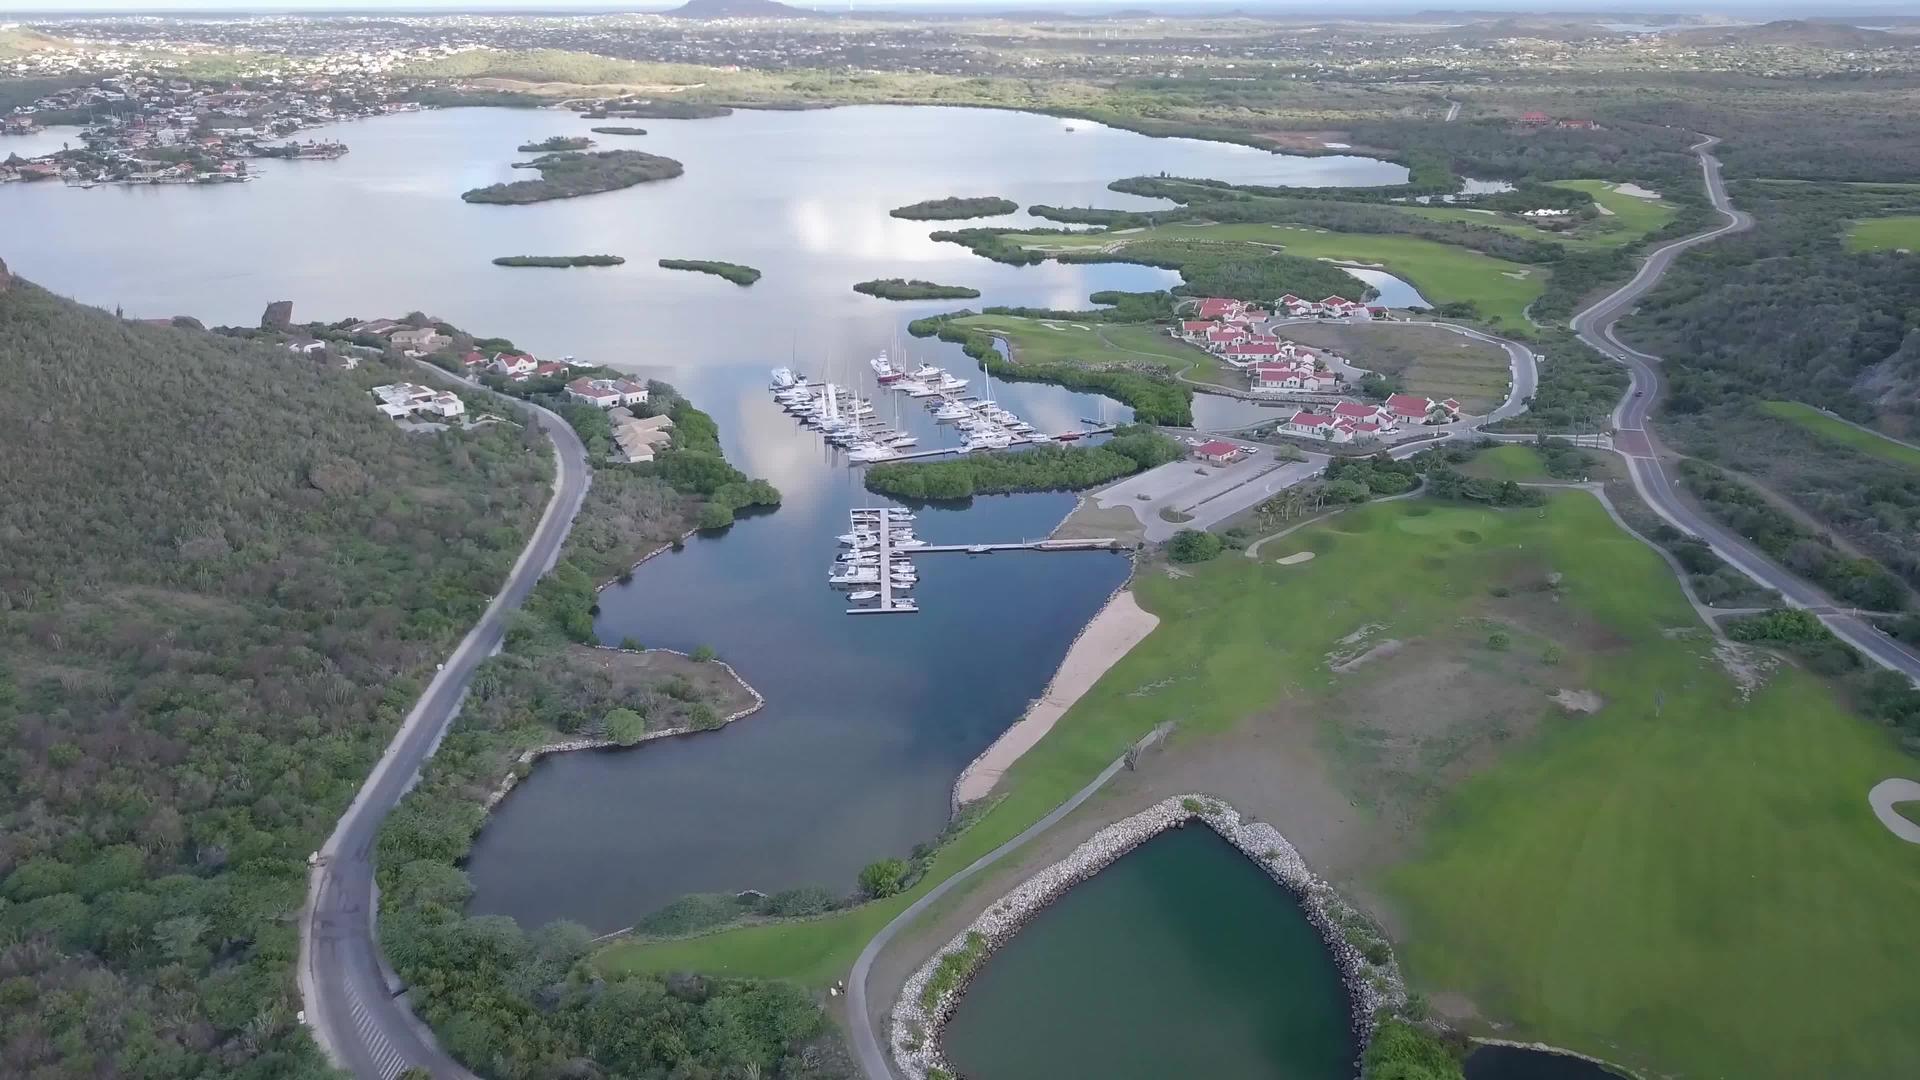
(1378, 652)
(1579, 701)
(1295, 559)
(1748, 667)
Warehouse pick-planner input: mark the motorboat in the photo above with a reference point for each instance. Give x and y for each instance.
(926, 372)
(783, 378)
(952, 410)
(864, 594)
(873, 452)
(861, 575)
(947, 382)
(884, 369)
(902, 441)
(922, 390)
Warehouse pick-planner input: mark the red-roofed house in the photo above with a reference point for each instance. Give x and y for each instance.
(1288, 375)
(515, 366)
(1253, 349)
(474, 360)
(1218, 451)
(1319, 426)
(1535, 119)
(1224, 335)
(1414, 409)
(1196, 328)
(550, 369)
(1214, 307)
(1364, 414)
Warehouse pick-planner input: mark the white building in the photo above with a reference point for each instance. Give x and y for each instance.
(401, 400)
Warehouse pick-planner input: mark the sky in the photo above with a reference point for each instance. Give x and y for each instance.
(1757, 9)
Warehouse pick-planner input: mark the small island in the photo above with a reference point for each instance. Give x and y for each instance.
(955, 208)
(619, 131)
(658, 110)
(558, 260)
(556, 143)
(565, 176)
(903, 289)
(734, 272)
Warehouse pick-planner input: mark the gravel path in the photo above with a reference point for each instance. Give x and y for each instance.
(1891, 791)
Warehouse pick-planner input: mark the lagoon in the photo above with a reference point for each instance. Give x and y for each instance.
(1181, 959)
(868, 721)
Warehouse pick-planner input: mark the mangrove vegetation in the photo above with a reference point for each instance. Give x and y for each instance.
(1132, 448)
(955, 208)
(915, 289)
(571, 174)
(558, 260)
(734, 272)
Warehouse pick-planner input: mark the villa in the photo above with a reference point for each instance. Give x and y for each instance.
(1414, 409)
(401, 400)
(607, 393)
(1300, 373)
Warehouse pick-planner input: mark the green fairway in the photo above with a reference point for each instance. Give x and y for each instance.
(1104, 344)
(1633, 216)
(1514, 461)
(1443, 273)
(1885, 234)
(1836, 430)
(1686, 881)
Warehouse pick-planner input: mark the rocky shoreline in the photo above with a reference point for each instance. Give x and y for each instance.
(528, 757)
(916, 1026)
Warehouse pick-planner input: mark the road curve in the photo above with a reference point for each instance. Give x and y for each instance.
(352, 998)
(1637, 445)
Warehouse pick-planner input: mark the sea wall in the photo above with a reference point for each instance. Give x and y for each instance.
(916, 1025)
(528, 757)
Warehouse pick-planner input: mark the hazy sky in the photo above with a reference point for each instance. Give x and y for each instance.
(15, 9)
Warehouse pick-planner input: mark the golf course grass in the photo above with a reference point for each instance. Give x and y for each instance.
(1441, 272)
(1835, 430)
(1514, 461)
(1885, 234)
(1631, 219)
(1103, 345)
(1686, 881)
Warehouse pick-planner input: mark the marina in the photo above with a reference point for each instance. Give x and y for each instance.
(876, 566)
(850, 422)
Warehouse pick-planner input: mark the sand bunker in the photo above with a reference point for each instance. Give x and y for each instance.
(1114, 631)
(1378, 652)
(1885, 796)
(1580, 701)
(1295, 559)
(1636, 191)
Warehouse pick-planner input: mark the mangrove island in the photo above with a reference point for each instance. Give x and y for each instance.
(556, 143)
(734, 272)
(954, 208)
(558, 260)
(619, 131)
(566, 175)
(903, 289)
(1134, 447)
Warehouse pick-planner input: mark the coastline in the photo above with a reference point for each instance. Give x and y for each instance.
(919, 1015)
(1119, 625)
(533, 754)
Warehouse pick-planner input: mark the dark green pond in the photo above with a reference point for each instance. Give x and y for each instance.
(1181, 959)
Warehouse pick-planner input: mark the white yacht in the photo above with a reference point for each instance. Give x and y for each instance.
(927, 372)
(952, 410)
(783, 378)
(862, 575)
(947, 382)
(883, 368)
(901, 441)
(864, 594)
(872, 452)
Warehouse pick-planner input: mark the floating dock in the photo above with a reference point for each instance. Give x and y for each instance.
(882, 519)
(945, 451)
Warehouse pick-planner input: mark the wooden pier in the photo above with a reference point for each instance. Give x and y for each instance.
(882, 520)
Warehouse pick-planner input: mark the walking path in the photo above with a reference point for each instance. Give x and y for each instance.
(1884, 796)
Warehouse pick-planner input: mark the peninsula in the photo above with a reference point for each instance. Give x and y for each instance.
(571, 174)
(955, 208)
(619, 131)
(734, 272)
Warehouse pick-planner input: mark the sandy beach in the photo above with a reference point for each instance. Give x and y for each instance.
(1114, 631)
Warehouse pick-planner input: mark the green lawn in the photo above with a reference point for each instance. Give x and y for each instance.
(1044, 340)
(1443, 273)
(1632, 218)
(1687, 882)
(1514, 461)
(1885, 234)
(1839, 431)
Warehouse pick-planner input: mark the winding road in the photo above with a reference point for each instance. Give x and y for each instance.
(354, 1003)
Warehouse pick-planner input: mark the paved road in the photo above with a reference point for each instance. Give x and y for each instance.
(1637, 444)
(874, 1061)
(348, 990)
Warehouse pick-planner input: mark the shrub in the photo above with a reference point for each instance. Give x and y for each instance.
(1193, 546)
(703, 653)
(883, 878)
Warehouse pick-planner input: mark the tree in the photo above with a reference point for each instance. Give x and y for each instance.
(624, 726)
(1193, 545)
(883, 878)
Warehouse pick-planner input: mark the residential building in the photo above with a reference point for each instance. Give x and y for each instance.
(1295, 374)
(1414, 409)
(401, 400)
(515, 366)
(424, 340)
(607, 393)
(1217, 451)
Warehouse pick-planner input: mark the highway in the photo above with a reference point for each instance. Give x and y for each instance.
(1638, 446)
(349, 992)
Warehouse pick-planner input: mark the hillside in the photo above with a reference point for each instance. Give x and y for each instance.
(1794, 32)
(225, 577)
(737, 9)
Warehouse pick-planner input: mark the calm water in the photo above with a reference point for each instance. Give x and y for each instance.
(869, 720)
(1519, 1063)
(1181, 959)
